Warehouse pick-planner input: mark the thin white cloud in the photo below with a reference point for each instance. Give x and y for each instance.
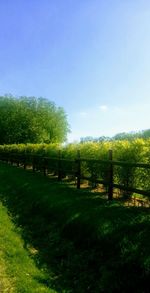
(103, 108)
(83, 114)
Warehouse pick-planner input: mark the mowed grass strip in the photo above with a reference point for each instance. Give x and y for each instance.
(18, 272)
(88, 244)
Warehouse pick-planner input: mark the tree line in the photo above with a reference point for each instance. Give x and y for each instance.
(31, 120)
(144, 134)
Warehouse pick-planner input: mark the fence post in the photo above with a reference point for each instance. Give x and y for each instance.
(59, 166)
(44, 166)
(24, 162)
(78, 169)
(110, 182)
(33, 163)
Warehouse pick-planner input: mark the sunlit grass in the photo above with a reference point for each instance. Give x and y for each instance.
(18, 272)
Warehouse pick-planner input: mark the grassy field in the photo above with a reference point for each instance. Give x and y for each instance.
(18, 272)
(79, 242)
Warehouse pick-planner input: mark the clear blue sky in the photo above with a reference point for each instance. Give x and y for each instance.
(91, 57)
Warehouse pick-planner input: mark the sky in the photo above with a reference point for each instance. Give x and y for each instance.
(91, 57)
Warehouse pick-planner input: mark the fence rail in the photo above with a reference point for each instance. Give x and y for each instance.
(59, 166)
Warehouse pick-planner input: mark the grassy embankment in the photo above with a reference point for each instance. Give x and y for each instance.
(82, 242)
(18, 272)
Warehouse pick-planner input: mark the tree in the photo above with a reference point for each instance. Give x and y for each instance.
(31, 120)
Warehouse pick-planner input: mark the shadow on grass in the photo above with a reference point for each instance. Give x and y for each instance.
(88, 244)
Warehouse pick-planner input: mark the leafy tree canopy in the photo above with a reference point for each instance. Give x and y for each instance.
(31, 120)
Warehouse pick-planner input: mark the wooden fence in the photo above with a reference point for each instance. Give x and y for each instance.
(58, 166)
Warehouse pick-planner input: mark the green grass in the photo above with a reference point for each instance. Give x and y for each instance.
(85, 243)
(18, 272)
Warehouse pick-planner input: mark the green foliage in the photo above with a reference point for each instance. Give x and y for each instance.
(31, 120)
